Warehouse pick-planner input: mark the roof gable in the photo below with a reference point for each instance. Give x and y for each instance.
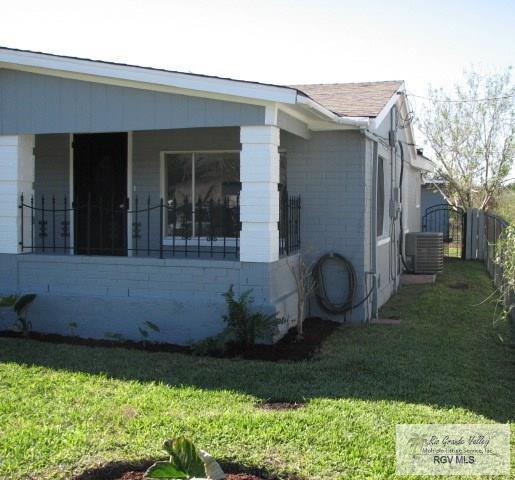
(365, 99)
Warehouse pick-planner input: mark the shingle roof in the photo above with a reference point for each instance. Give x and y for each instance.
(365, 99)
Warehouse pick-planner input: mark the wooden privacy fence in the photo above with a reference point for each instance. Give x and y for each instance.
(483, 232)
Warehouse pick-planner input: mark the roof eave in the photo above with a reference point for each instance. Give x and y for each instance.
(233, 88)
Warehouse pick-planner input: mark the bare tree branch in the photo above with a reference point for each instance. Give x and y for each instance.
(472, 135)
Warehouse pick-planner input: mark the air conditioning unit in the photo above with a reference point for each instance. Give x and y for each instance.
(424, 251)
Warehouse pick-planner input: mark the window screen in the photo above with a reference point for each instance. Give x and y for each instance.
(380, 196)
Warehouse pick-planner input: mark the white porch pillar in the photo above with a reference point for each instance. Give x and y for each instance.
(259, 199)
(16, 177)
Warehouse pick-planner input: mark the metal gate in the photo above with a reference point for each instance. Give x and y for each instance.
(451, 221)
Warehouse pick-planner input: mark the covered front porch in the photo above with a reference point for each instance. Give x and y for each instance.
(160, 194)
(113, 228)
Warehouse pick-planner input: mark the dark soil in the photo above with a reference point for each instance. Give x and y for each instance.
(136, 470)
(230, 476)
(459, 286)
(316, 330)
(290, 347)
(93, 342)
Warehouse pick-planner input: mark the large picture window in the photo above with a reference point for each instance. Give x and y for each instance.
(380, 196)
(202, 195)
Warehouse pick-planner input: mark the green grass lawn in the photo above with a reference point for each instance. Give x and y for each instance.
(64, 408)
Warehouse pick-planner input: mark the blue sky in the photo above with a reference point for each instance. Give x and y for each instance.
(280, 41)
(275, 41)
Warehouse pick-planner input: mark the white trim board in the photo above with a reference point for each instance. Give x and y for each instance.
(60, 64)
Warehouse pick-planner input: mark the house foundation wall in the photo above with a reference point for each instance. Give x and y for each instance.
(105, 297)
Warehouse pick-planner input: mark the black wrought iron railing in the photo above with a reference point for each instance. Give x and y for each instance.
(289, 223)
(110, 226)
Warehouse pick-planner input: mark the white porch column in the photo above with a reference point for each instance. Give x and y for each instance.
(259, 199)
(16, 177)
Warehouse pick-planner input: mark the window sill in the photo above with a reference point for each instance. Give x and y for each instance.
(204, 242)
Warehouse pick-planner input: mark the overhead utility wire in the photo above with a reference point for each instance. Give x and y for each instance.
(468, 100)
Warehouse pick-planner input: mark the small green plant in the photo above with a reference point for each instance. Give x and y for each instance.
(185, 462)
(246, 326)
(8, 301)
(20, 305)
(72, 326)
(145, 332)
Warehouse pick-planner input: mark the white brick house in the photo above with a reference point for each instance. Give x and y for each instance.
(131, 193)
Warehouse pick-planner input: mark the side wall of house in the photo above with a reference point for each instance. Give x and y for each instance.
(389, 262)
(328, 171)
(430, 197)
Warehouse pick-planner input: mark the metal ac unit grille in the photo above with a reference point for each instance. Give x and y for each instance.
(426, 251)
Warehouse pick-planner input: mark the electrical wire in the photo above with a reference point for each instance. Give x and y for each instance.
(468, 100)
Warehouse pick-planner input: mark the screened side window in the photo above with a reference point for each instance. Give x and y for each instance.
(380, 196)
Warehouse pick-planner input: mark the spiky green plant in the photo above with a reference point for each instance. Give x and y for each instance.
(20, 306)
(244, 325)
(185, 462)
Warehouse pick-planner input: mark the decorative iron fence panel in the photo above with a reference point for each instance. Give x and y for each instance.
(451, 221)
(289, 223)
(99, 226)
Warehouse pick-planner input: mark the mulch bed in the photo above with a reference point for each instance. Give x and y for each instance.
(136, 470)
(316, 330)
(229, 476)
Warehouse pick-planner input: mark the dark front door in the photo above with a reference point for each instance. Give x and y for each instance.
(100, 193)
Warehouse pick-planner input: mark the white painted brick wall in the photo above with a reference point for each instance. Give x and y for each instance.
(16, 177)
(259, 211)
(328, 172)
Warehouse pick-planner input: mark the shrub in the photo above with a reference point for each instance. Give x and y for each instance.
(243, 327)
(246, 326)
(505, 258)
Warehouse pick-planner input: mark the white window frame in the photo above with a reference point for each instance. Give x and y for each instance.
(384, 238)
(204, 241)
